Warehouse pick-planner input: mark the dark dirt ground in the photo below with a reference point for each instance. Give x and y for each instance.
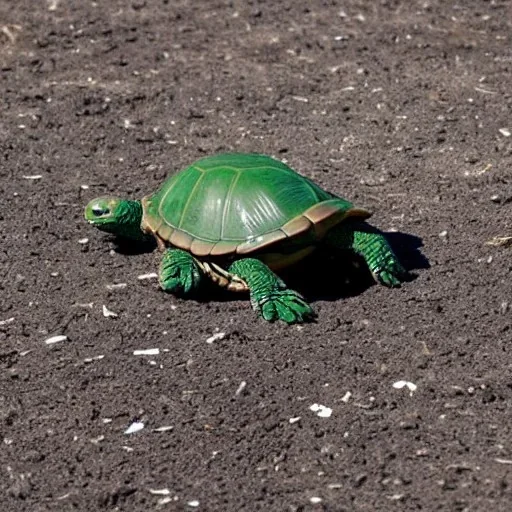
(404, 107)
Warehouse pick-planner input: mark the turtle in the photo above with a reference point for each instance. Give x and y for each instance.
(239, 219)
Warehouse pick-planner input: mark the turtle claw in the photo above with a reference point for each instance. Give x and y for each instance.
(391, 274)
(179, 273)
(286, 305)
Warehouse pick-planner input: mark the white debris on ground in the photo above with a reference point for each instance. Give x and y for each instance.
(95, 358)
(116, 286)
(160, 492)
(346, 397)
(215, 337)
(505, 132)
(147, 352)
(294, 420)
(136, 426)
(83, 241)
(7, 321)
(321, 410)
(500, 241)
(55, 339)
(107, 313)
(152, 275)
(503, 461)
(164, 428)
(193, 503)
(315, 500)
(33, 177)
(400, 384)
(242, 386)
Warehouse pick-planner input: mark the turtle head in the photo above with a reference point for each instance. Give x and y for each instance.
(120, 217)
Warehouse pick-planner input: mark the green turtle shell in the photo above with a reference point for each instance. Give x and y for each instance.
(238, 204)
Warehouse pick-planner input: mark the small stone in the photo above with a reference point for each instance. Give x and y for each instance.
(346, 397)
(136, 426)
(107, 313)
(321, 410)
(405, 384)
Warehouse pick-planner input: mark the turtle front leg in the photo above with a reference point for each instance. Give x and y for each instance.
(270, 297)
(180, 273)
(371, 244)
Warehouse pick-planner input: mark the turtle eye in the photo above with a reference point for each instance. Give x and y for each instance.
(98, 211)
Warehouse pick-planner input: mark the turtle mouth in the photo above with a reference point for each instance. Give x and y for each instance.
(103, 223)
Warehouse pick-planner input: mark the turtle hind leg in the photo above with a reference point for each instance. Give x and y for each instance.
(180, 273)
(270, 297)
(371, 244)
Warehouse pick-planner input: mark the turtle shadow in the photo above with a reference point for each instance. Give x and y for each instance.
(328, 275)
(129, 247)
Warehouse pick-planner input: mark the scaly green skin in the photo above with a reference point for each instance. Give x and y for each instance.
(117, 216)
(270, 297)
(179, 272)
(371, 244)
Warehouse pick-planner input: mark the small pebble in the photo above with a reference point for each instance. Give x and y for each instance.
(136, 426)
(321, 410)
(346, 397)
(405, 384)
(107, 313)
